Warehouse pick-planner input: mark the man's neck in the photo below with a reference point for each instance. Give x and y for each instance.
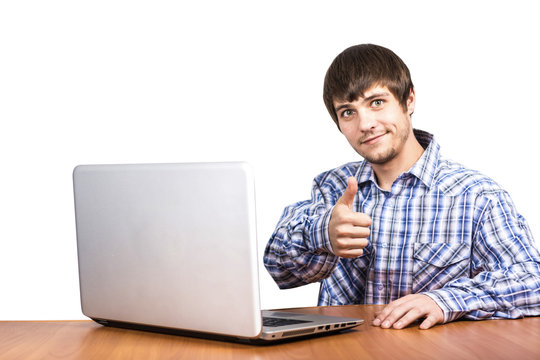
(388, 172)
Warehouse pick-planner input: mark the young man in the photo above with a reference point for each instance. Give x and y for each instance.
(405, 227)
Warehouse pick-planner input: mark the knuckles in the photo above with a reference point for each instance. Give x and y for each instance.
(343, 230)
(341, 243)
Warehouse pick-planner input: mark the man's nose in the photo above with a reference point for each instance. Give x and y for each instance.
(366, 121)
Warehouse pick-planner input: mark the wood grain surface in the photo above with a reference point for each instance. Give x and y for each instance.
(491, 339)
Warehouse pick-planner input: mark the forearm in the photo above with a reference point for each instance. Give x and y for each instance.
(299, 251)
(511, 293)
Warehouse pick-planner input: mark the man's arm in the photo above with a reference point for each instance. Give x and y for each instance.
(298, 252)
(506, 270)
(505, 280)
(312, 235)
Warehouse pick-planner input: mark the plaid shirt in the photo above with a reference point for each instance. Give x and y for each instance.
(442, 230)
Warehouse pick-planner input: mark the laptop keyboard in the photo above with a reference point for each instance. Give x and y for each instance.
(274, 322)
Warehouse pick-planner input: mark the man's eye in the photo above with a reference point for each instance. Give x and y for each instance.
(377, 103)
(346, 113)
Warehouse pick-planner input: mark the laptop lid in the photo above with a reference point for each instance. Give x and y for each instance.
(173, 248)
(169, 245)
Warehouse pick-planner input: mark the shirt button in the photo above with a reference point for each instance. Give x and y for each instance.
(384, 244)
(380, 287)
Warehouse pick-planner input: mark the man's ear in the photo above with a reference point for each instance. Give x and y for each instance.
(411, 102)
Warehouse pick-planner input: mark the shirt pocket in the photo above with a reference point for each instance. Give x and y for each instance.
(435, 264)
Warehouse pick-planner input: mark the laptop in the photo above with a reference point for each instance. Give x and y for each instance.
(173, 248)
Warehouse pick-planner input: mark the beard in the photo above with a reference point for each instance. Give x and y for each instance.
(386, 155)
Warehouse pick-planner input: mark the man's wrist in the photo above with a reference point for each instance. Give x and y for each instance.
(450, 303)
(320, 237)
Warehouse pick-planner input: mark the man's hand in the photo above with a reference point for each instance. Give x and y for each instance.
(348, 230)
(401, 312)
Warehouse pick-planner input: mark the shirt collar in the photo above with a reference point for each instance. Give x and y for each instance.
(424, 169)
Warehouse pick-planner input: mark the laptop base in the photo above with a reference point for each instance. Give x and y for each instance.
(215, 337)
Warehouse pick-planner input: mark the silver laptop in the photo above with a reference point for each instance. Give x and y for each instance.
(173, 248)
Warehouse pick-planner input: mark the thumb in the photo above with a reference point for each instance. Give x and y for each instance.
(350, 192)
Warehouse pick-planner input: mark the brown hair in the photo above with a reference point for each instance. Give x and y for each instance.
(360, 67)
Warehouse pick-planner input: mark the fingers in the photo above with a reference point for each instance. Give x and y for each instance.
(349, 248)
(391, 314)
(351, 253)
(356, 218)
(402, 312)
(347, 239)
(348, 230)
(429, 322)
(399, 321)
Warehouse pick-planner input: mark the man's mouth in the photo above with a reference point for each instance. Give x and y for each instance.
(372, 140)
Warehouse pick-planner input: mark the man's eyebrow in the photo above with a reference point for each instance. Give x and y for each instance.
(376, 95)
(343, 106)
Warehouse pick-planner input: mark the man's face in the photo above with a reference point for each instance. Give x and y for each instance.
(376, 125)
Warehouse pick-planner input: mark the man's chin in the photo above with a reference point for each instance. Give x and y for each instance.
(380, 159)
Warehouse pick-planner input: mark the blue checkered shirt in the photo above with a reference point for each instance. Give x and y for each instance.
(442, 230)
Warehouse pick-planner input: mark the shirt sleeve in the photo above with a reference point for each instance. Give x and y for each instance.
(299, 250)
(505, 269)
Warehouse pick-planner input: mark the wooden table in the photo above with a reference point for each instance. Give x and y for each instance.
(491, 339)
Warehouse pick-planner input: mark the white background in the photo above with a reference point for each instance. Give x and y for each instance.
(161, 81)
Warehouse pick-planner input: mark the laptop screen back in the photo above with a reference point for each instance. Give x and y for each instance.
(169, 245)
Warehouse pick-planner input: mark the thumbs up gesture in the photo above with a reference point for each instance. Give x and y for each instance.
(348, 230)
